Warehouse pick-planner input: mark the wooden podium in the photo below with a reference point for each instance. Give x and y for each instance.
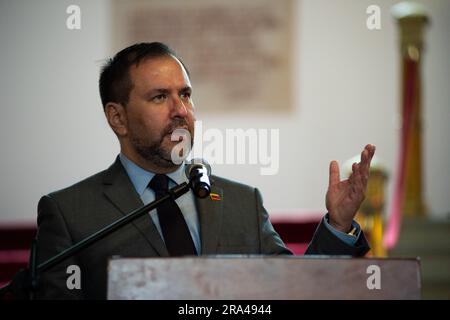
(263, 277)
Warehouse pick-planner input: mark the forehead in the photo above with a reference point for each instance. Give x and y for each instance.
(160, 72)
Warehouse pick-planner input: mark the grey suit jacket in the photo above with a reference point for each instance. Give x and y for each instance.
(235, 224)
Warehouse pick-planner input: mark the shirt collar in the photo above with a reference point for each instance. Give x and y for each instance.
(141, 177)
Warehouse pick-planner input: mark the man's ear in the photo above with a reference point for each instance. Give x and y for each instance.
(117, 118)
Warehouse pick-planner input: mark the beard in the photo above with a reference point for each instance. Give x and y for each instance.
(154, 150)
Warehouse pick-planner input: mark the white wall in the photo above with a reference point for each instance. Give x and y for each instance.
(347, 94)
(52, 127)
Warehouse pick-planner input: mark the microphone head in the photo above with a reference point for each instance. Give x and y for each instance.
(198, 172)
(196, 163)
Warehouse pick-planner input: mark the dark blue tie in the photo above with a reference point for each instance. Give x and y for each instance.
(173, 226)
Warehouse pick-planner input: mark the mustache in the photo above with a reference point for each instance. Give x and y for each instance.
(175, 124)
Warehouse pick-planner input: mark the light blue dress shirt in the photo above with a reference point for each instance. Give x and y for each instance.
(141, 178)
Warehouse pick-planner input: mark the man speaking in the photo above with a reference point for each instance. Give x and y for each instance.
(146, 95)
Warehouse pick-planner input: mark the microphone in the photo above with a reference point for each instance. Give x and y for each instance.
(198, 172)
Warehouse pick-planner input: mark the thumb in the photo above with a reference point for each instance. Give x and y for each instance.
(334, 173)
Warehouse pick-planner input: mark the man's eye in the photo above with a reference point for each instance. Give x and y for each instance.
(159, 98)
(186, 95)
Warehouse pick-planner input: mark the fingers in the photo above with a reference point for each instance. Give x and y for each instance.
(357, 182)
(358, 179)
(360, 175)
(364, 165)
(334, 173)
(371, 148)
(367, 155)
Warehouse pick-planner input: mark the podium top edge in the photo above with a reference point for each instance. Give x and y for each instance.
(269, 257)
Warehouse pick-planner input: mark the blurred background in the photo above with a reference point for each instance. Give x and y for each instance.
(330, 76)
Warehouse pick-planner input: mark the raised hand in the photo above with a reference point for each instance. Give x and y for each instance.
(344, 198)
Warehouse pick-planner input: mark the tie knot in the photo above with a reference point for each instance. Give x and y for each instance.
(160, 184)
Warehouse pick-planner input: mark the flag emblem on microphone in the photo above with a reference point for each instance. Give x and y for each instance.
(215, 196)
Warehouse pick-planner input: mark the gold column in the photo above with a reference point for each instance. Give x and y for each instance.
(371, 212)
(412, 19)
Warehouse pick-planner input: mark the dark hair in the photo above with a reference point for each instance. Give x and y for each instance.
(115, 83)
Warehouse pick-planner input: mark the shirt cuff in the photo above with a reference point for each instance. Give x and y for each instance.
(347, 238)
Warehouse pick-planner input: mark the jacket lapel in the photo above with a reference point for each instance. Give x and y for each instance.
(120, 191)
(210, 212)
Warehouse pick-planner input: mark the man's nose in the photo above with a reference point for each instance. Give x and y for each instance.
(179, 107)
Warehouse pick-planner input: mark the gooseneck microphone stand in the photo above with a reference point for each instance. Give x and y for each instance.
(25, 283)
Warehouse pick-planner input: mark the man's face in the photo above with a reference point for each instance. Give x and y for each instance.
(159, 102)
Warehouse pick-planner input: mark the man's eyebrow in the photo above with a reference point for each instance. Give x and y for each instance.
(159, 90)
(163, 90)
(187, 88)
